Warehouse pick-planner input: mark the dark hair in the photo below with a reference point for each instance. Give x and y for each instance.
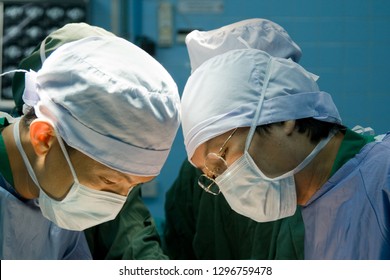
(29, 117)
(315, 129)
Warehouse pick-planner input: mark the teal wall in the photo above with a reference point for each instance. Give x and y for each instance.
(345, 42)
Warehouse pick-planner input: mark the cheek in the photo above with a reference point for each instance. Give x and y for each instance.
(54, 175)
(263, 153)
(85, 171)
(233, 156)
(273, 159)
(90, 182)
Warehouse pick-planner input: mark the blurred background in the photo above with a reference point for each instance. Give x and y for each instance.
(345, 42)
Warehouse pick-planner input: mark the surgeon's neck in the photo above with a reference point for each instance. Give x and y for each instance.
(317, 173)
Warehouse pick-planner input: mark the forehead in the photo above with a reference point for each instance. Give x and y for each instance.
(94, 167)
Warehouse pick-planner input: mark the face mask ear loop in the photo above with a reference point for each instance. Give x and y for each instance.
(261, 101)
(24, 156)
(65, 152)
(315, 151)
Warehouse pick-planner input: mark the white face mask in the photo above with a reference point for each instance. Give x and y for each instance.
(251, 193)
(82, 207)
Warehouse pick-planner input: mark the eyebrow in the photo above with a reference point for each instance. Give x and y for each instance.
(128, 177)
(108, 171)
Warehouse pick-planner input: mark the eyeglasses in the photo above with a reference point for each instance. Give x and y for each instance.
(215, 165)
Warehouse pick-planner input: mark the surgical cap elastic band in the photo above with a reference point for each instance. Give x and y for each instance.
(30, 95)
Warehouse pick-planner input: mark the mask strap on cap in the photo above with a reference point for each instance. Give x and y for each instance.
(30, 94)
(13, 71)
(258, 109)
(42, 53)
(239, 38)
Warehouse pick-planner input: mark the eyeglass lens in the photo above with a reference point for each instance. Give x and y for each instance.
(215, 164)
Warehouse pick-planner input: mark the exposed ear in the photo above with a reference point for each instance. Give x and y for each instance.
(42, 136)
(289, 127)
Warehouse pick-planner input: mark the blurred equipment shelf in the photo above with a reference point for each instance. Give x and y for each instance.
(23, 25)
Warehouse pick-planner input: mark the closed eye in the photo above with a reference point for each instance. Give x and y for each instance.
(106, 181)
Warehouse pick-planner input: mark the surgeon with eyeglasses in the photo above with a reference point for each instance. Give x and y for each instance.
(199, 223)
(267, 138)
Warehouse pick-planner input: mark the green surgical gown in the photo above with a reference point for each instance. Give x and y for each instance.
(203, 226)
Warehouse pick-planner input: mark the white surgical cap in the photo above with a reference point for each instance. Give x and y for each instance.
(110, 100)
(257, 33)
(225, 92)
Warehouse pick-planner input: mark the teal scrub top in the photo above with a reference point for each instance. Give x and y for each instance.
(24, 233)
(349, 217)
